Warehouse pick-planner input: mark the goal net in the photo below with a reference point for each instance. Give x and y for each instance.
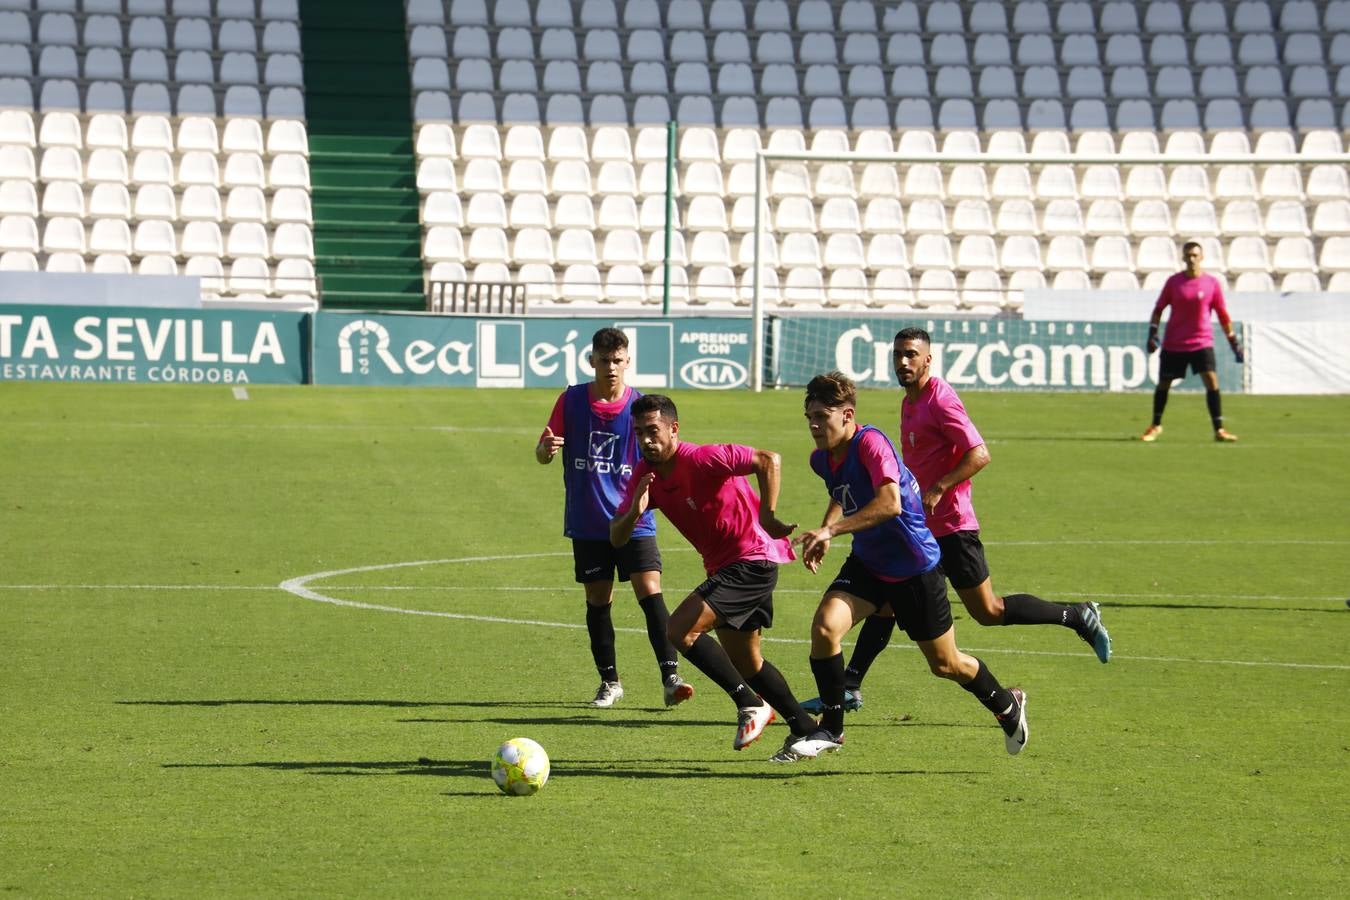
(856, 243)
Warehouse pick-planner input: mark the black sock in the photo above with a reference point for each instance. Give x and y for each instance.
(995, 697)
(1160, 402)
(654, 608)
(1215, 408)
(601, 628)
(872, 639)
(709, 658)
(1027, 609)
(773, 687)
(829, 674)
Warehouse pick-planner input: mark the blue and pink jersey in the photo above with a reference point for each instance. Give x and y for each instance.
(1192, 300)
(709, 501)
(900, 547)
(935, 432)
(598, 453)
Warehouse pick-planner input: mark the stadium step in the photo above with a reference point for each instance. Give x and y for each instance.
(363, 280)
(363, 144)
(324, 174)
(372, 247)
(377, 216)
(367, 232)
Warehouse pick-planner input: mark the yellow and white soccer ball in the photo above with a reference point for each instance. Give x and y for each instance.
(520, 767)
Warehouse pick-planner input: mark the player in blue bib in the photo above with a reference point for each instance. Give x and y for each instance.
(592, 428)
(893, 563)
(900, 546)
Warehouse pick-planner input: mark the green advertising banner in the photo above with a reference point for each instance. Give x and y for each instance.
(443, 351)
(984, 354)
(143, 344)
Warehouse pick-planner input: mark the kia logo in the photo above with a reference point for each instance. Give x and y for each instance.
(713, 374)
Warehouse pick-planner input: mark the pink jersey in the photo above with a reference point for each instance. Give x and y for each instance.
(707, 498)
(935, 432)
(1192, 300)
(605, 409)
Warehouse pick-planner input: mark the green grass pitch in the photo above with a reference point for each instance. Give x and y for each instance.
(177, 724)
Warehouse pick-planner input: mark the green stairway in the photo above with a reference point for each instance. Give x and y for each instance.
(367, 237)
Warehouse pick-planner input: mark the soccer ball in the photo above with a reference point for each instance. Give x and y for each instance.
(520, 767)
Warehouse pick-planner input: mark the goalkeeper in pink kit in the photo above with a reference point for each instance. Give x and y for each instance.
(1188, 342)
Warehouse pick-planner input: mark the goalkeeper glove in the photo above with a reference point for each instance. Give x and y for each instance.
(1236, 344)
(1152, 338)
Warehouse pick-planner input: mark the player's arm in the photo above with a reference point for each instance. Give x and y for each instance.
(767, 467)
(621, 526)
(972, 461)
(884, 506)
(551, 441)
(1220, 307)
(1155, 320)
(813, 556)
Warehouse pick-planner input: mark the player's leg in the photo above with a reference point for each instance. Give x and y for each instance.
(873, 637)
(593, 563)
(923, 610)
(743, 647)
(639, 562)
(946, 660)
(835, 616)
(600, 628)
(1171, 366)
(966, 568)
(688, 631)
(1213, 402)
(1159, 406)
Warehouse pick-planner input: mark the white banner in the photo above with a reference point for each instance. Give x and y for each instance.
(1299, 357)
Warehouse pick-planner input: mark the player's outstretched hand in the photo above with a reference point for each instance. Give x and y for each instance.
(1238, 355)
(814, 543)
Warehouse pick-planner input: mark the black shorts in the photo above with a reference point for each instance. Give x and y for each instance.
(597, 560)
(963, 559)
(1174, 363)
(919, 603)
(742, 594)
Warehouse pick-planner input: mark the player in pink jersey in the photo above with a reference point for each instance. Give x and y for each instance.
(944, 450)
(703, 492)
(1188, 342)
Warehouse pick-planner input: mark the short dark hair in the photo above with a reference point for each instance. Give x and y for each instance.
(1186, 247)
(833, 389)
(658, 403)
(609, 339)
(913, 334)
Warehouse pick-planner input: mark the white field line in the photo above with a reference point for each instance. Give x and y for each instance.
(293, 426)
(523, 589)
(300, 587)
(1319, 438)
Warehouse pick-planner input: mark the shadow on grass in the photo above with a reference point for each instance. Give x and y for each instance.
(396, 704)
(728, 723)
(571, 768)
(593, 718)
(1336, 608)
